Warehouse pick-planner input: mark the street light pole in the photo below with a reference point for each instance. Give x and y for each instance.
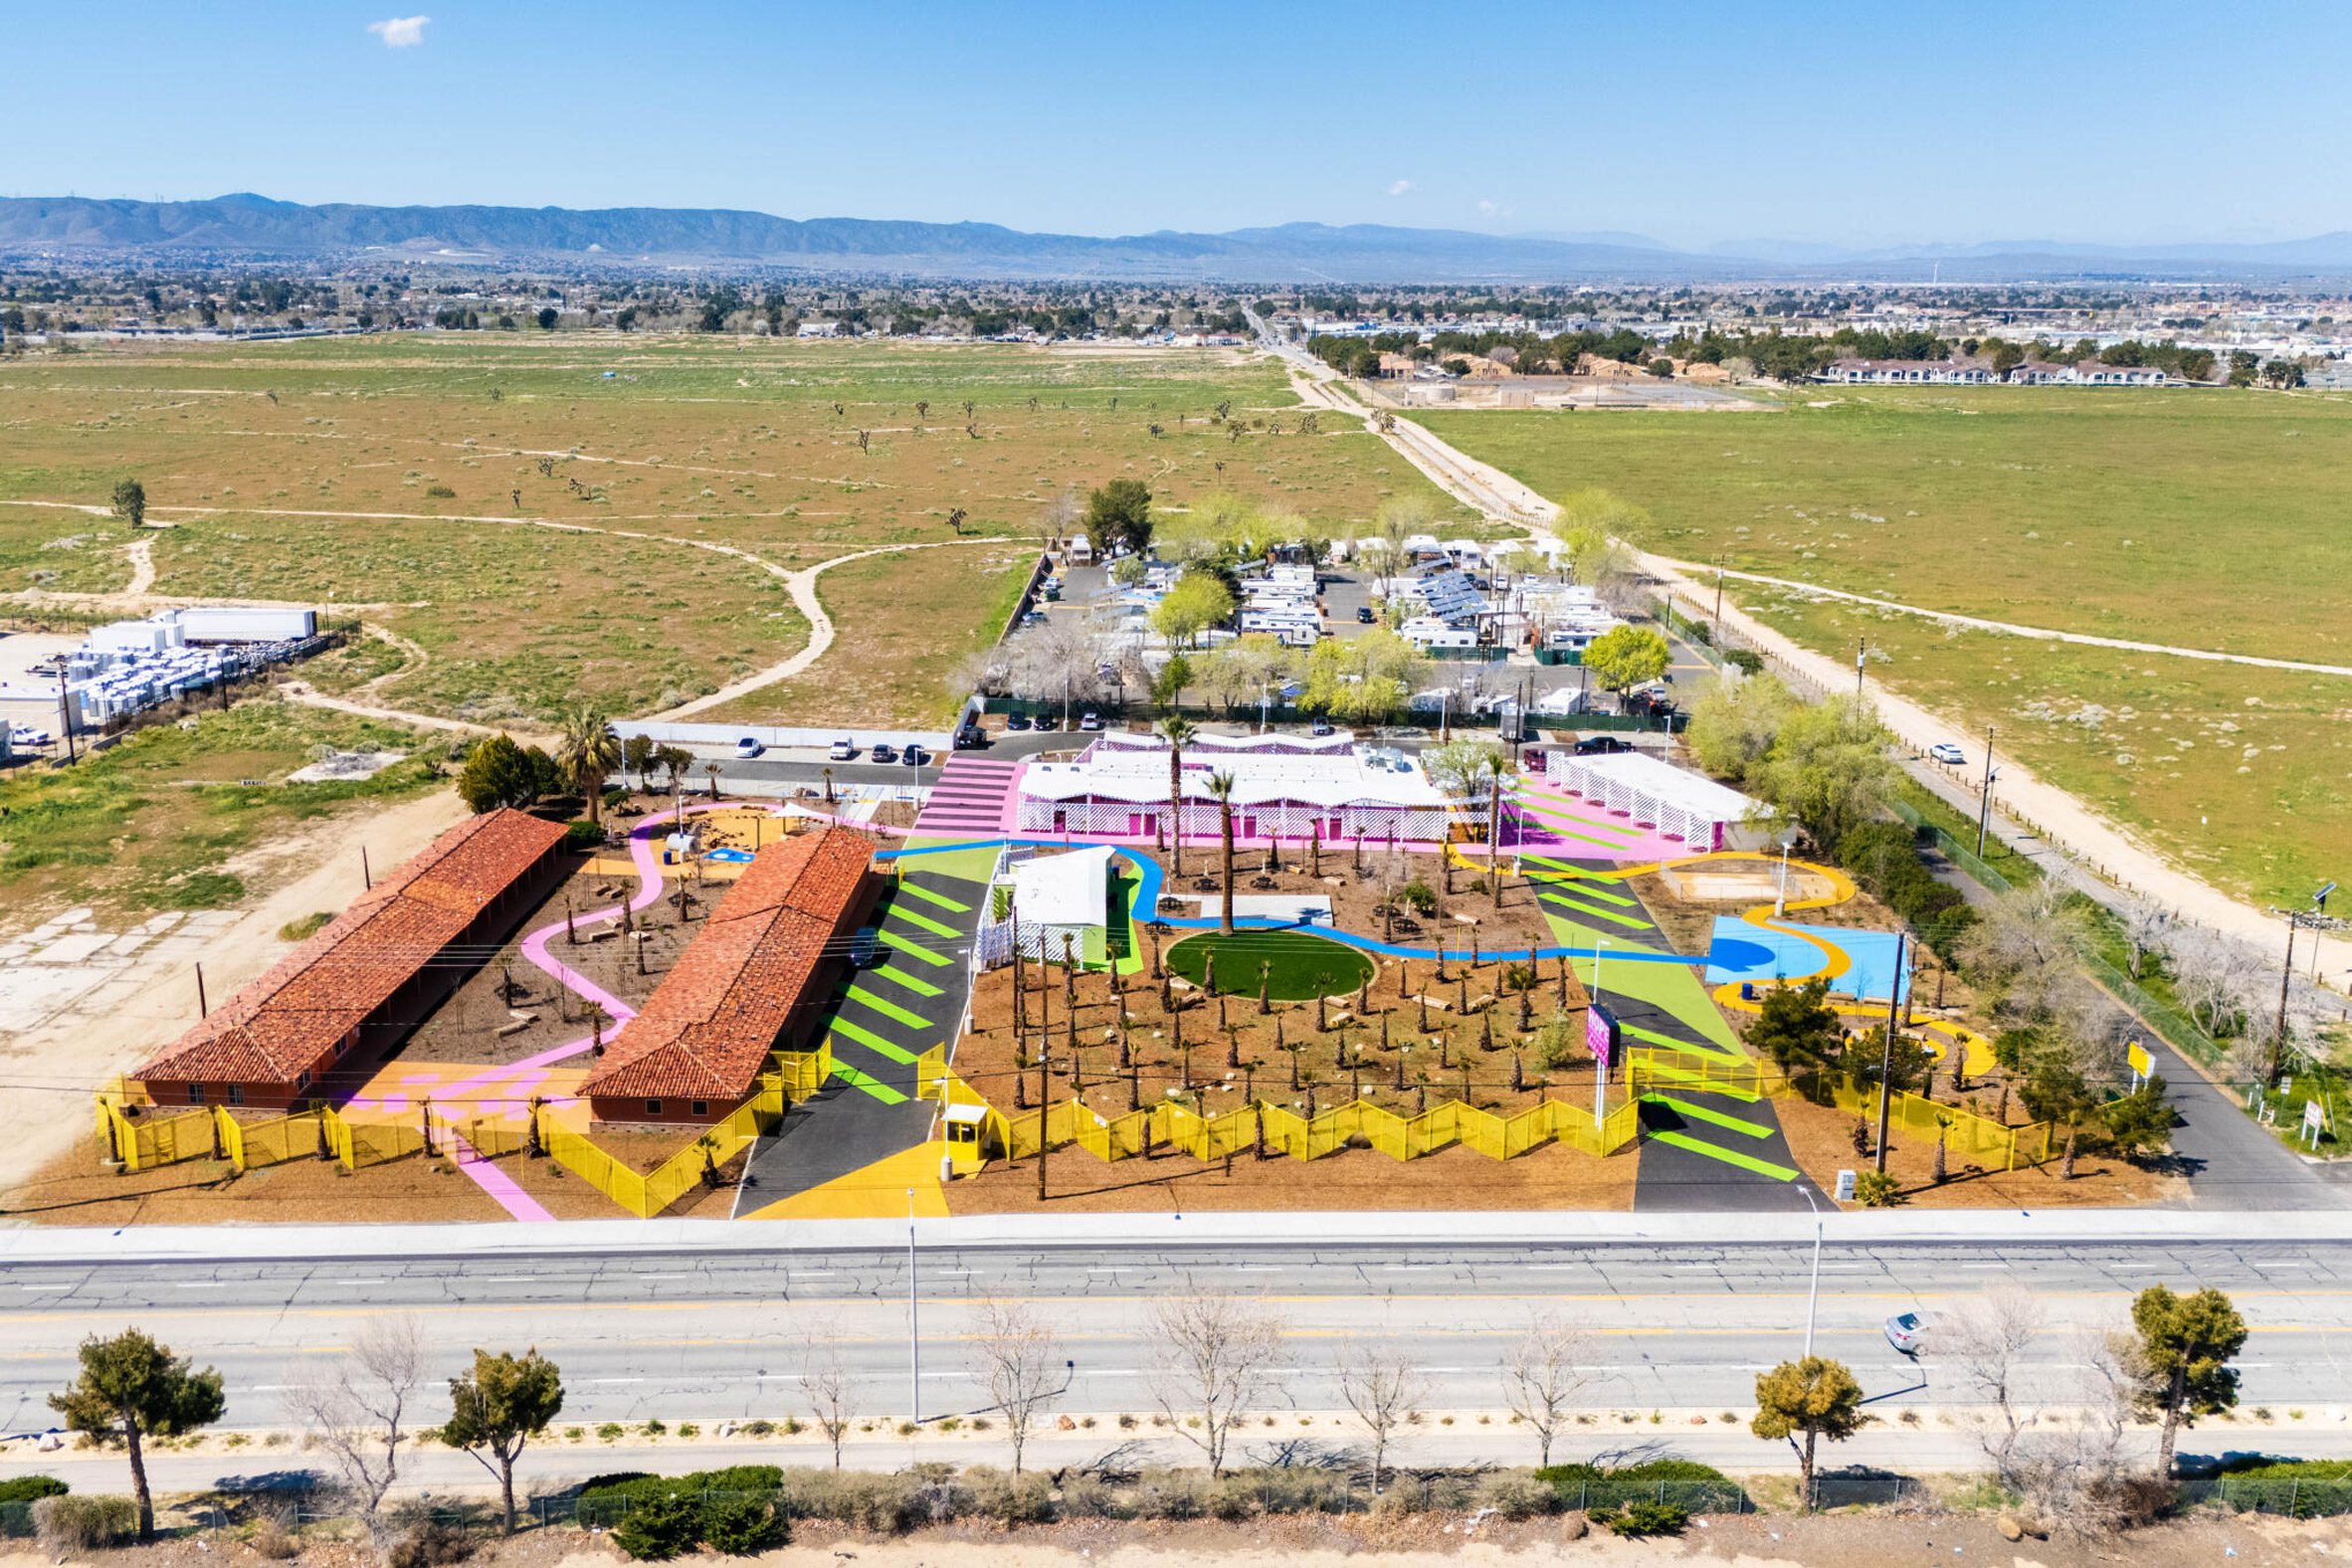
(915, 1338)
(1813, 1296)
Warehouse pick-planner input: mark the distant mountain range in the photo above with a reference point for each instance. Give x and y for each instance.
(255, 227)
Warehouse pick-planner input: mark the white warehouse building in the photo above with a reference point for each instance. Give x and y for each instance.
(1285, 787)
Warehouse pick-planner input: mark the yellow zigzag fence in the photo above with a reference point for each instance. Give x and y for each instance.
(141, 1143)
(1287, 1133)
(1965, 1133)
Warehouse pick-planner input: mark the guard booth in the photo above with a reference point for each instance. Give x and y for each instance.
(964, 1125)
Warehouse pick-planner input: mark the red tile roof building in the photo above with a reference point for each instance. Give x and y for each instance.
(758, 977)
(370, 975)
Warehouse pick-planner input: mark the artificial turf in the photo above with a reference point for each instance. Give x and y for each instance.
(1293, 964)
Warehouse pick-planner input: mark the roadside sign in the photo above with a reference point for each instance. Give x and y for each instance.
(1845, 1186)
(1600, 1036)
(2315, 1122)
(2141, 1068)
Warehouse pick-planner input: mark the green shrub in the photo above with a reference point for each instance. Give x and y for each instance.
(660, 1529)
(84, 1524)
(745, 1528)
(586, 834)
(884, 1505)
(1643, 1517)
(1749, 661)
(32, 1489)
(1879, 1190)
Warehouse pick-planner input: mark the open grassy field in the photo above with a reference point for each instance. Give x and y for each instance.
(157, 822)
(2208, 520)
(549, 517)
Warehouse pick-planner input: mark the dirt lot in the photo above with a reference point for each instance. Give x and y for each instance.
(1433, 1540)
(1457, 1178)
(1822, 1137)
(1223, 1050)
(1358, 884)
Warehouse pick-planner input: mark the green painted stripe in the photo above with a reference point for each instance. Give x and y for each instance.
(872, 1041)
(1594, 911)
(890, 1009)
(922, 921)
(1559, 832)
(1746, 1162)
(900, 977)
(912, 889)
(912, 949)
(1707, 1113)
(1584, 888)
(874, 1087)
(1697, 1081)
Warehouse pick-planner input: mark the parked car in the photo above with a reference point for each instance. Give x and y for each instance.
(1017, 722)
(882, 752)
(1908, 1332)
(1364, 615)
(1944, 751)
(27, 735)
(1598, 745)
(1089, 721)
(1046, 721)
(1034, 618)
(1322, 727)
(971, 737)
(865, 947)
(912, 756)
(748, 747)
(842, 750)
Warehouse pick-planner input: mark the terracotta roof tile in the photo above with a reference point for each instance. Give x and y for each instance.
(293, 1019)
(709, 1026)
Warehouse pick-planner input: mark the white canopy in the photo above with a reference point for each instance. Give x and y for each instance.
(1063, 890)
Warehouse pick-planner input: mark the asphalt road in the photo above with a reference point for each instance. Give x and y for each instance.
(703, 1336)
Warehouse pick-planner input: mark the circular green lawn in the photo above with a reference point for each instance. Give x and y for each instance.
(1304, 966)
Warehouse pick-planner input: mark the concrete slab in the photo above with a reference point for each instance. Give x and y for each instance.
(73, 948)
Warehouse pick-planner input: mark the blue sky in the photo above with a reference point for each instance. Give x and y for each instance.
(1690, 121)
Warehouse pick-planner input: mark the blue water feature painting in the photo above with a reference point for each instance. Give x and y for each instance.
(1744, 953)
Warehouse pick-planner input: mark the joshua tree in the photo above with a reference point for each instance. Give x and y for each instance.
(1220, 789)
(1176, 731)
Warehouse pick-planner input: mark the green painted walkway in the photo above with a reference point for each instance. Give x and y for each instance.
(909, 890)
(1711, 1115)
(923, 922)
(912, 949)
(890, 1009)
(858, 1080)
(874, 1041)
(900, 977)
(1746, 1162)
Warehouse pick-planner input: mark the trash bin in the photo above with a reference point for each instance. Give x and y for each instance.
(1747, 991)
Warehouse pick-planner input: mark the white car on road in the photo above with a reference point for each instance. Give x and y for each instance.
(25, 736)
(843, 750)
(748, 747)
(1944, 751)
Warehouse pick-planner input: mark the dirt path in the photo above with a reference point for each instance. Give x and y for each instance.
(141, 556)
(803, 587)
(2058, 817)
(2008, 628)
(51, 1069)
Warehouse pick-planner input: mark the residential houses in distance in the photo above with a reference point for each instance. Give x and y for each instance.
(1978, 372)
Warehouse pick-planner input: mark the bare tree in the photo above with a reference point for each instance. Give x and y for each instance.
(1061, 659)
(1019, 1363)
(1985, 1344)
(2144, 923)
(1216, 1354)
(1383, 1391)
(825, 1383)
(1546, 1372)
(357, 1405)
(2028, 950)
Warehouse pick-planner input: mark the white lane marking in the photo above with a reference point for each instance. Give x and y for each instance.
(352, 1282)
(1984, 1265)
(200, 1285)
(613, 1380)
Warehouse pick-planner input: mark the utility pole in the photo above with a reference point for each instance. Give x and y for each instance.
(202, 1010)
(367, 879)
(1718, 604)
(1813, 1297)
(2287, 973)
(65, 716)
(1984, 809)
(1887, 1049)
(1861, 647)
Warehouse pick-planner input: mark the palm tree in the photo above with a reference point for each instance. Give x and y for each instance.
(1221, 790)
(1176, 731)
(1498, 766)
(588, 753)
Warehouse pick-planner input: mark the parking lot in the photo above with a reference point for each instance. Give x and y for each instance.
(1086, 588)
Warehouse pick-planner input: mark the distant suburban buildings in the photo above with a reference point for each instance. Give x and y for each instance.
(1972, 372)
(129, 666)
